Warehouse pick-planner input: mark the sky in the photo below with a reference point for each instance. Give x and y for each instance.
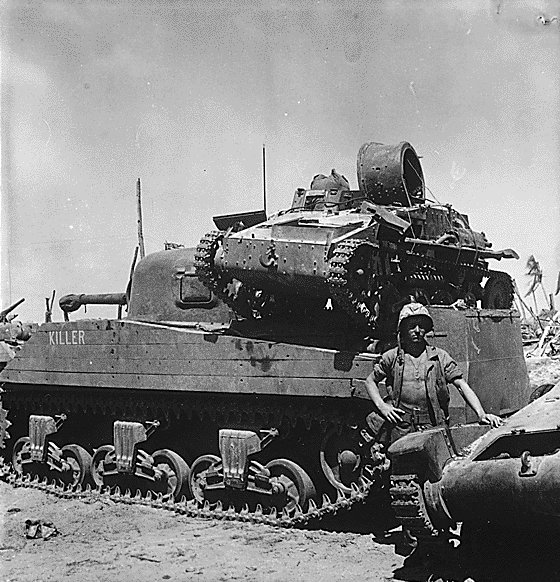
(184, 94)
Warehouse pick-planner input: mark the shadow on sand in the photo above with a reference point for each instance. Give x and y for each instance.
(485, 557)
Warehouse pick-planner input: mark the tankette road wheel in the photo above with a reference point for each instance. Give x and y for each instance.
(297, 485)
(197, 479)
(175, 473)
(79, 465)
(97, 464)
(22, 445)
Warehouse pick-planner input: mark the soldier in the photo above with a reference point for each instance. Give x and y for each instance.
(417, 376)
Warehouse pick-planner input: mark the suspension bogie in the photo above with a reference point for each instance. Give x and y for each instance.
(268, 469)
(163, 471)
(37, 453)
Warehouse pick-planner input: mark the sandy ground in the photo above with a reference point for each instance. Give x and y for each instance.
(543, 370)
(103, 541)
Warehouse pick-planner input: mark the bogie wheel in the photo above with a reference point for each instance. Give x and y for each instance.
(197, 479)
(22, 445)
(175, 473)
(297, 485)
(97, 464)
(79, 465)
(498, 291)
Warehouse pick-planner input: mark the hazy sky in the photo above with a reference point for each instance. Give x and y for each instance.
(184, 94)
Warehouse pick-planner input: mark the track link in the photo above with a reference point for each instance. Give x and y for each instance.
(297, 519)
(407, 501)
(352, 301)
(27, 402)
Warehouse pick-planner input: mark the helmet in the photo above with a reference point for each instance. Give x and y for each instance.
(415, 310)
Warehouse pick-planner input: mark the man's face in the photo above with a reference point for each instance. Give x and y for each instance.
(413, 329)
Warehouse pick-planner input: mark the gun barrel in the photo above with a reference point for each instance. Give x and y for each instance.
(73, 302)
(5, 312)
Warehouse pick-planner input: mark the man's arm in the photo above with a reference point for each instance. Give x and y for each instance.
(387, 411)
(472, 400)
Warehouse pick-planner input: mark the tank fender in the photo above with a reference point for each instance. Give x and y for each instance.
(422, 453)
(427, 452)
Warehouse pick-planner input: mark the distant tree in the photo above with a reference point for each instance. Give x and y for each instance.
(535, 272)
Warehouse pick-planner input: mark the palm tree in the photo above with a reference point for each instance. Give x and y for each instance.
(534, 270)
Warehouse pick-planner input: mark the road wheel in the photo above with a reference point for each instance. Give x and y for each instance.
(79, 465)
(175, 473)
(296, 486)
(197, 479)
(21, 446)
(99, 456)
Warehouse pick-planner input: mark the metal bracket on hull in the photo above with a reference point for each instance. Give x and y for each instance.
(235, 447)
(39, 428)
(126, 435)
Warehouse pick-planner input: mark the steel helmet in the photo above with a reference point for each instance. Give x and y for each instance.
(415, 310)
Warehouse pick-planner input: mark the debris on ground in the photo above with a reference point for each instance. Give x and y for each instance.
(36, 528)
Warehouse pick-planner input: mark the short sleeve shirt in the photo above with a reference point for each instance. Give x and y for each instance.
(383, 370)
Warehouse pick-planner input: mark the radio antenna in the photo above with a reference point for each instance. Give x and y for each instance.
(264, 176)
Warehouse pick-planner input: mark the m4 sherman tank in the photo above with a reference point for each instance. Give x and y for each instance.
(262, 417)
(244, 420)
(368, 250)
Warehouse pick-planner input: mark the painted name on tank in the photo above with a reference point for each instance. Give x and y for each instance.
(67, 338)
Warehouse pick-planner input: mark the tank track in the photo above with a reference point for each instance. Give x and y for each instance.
(130, 406)
(354, 303)
(407, 501)
(347, 298)
(244, 300)
(4, 425)
(191, 508)
(204, 267)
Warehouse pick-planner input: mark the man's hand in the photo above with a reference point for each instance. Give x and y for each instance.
(390, 412)
(491, 419)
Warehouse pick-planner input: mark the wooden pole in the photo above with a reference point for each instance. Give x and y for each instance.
(139, 213)
(264, 177)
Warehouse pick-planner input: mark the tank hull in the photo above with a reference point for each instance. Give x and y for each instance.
(509, 477)
(196, 384)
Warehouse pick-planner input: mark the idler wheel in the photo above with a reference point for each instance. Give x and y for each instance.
(197, 478)
(174, 472)
(79, 465)
(97, 464)
(498, 291)
(294, 485)
(22, 445)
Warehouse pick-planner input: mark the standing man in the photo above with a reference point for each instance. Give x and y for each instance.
(417, 375)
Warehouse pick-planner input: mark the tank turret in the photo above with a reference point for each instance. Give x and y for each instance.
(363, 252)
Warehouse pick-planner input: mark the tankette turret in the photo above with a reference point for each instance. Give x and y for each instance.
(367, 251)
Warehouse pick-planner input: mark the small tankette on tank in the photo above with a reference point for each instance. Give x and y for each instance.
(369, 250)
(260, 418)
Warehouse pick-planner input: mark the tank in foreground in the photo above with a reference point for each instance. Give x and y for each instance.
(507, 479)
